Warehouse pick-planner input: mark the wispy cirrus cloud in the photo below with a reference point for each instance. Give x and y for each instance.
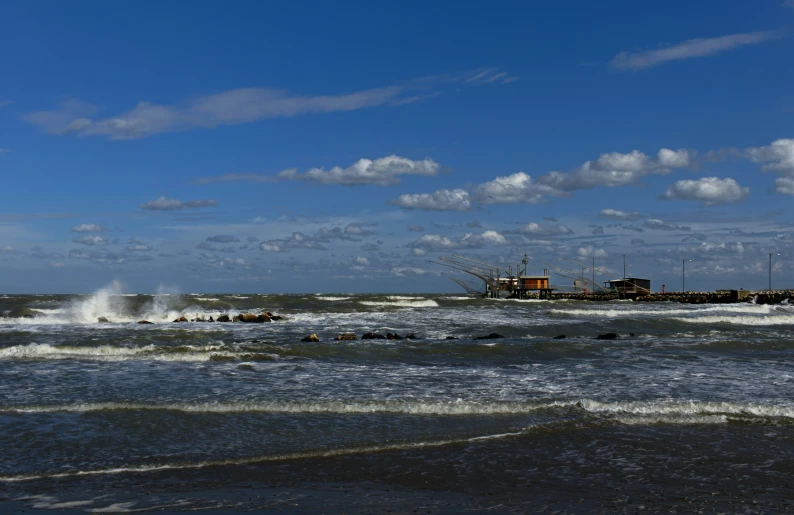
(4, 103)
(241, 105)
(700, 47)
(169, 204)
(384, 171)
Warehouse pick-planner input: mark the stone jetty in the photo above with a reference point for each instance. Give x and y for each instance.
(691, 297)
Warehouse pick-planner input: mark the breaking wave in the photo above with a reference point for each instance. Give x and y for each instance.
(402, 302)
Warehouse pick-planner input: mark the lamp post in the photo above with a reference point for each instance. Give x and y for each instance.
(683, 274)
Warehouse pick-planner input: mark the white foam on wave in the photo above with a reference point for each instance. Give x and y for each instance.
(656, 310)
(410, 407)
(741, 320)
(687, 408)
(46, 351)
(425, 303)
(207, 299)
(332, 299)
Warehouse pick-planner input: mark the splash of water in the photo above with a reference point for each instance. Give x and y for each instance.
(105, 302)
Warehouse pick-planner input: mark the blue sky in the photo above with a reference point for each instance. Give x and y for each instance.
(314, 147)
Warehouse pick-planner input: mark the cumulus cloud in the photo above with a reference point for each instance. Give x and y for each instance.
(441, 200)
(297, 240)
(88, 228)
(610, 170)
(615, 169)
(591, 252)
(486, 239)
(659, 225)
(710, 191)
(614, 214)
(700, 47)
(534, 229)
(436, 242)
(518, 188)
(418, 252)
(91, 240)
(777, 157)
(362, 261)
(168, 204)
(785, 185)
(357, 230)
(433, 242)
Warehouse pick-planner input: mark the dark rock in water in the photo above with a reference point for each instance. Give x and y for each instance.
(411, 336)
(27, 315)
(268, 313)
(224, 318)
(560, 337)
(102, 320)
(181, 319)
(346, 336)
(276, 317)
(311, 338)
(393, 336)
(144, 322)
(492, 336)
(250, 318)
(631, 334)
(236, 318)
(211, 320)
(451, 338)
(607, 336)
(372, 336)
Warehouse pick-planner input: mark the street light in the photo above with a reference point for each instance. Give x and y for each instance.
(683, 274)
(770, 270)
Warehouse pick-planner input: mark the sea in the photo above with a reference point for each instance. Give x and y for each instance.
(689, 408)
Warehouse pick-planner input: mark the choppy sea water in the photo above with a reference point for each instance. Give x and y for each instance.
(690, 400)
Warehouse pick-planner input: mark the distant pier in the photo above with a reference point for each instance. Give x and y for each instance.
(689, 297)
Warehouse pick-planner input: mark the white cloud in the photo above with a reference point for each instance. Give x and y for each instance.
(441, 200)
(357, 230)
(785, 185)
(777, 157)
(436, 242)
(709, 191)
(700, 47)
(384, 171)
(659, 225)
(88, 228)
(614, 214)
(591, 252)
(362, 261)
(91, 240)
(433, 242)
(167, 204)
(517, 188)
(535, 229)
(418, 252)
(616, 169)
(486, 239)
